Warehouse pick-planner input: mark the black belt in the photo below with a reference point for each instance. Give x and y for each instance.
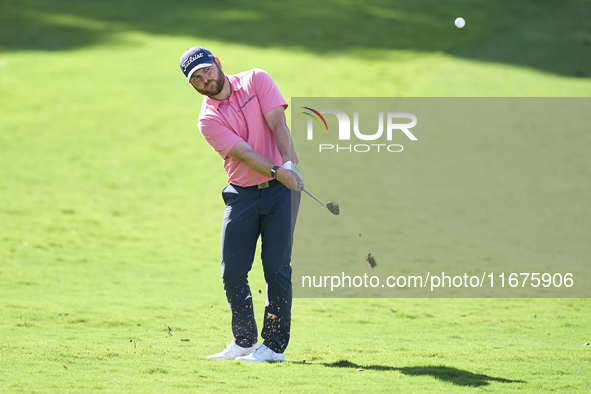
(264, 185)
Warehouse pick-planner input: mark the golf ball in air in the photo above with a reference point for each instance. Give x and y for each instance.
(460, 22)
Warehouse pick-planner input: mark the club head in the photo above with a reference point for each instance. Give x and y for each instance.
(333, 207)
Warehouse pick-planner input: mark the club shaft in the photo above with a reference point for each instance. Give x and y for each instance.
(313, 196)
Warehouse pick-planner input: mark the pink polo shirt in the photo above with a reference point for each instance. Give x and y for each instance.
(241, 118)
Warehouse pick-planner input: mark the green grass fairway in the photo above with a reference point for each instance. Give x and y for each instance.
(111, 209)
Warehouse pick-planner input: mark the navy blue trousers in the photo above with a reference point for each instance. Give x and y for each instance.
(271, 214)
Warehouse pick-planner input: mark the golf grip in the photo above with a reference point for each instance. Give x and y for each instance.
(313, 196)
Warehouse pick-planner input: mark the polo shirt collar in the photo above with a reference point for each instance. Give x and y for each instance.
(235, 84)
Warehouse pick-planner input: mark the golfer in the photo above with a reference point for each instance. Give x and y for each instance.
(243, 119)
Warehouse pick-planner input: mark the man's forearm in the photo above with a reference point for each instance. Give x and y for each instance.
(261, 164)
(243, 152)
(284, 144)
(276, 120)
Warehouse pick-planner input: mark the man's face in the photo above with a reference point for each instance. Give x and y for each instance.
(209, 81)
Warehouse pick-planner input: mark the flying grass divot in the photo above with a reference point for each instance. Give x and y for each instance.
(371, 260)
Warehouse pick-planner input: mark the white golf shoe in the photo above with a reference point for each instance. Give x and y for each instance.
(263, 353)
(232, 351)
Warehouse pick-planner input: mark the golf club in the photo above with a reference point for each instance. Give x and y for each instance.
(332, 206)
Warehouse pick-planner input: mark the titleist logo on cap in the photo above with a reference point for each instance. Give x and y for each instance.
(190, 60)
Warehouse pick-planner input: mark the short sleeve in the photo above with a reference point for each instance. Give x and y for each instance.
(267, 92)
(221, 138)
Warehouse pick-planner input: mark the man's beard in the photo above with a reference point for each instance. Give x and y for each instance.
(213, 88)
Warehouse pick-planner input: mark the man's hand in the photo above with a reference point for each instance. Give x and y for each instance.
(290, 179)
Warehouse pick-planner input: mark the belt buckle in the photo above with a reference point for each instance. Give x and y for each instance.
(263, 185)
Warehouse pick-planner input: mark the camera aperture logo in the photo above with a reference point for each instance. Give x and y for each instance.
(344, 131)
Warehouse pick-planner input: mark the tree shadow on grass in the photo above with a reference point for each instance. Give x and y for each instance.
(553, 36)
(443, 373)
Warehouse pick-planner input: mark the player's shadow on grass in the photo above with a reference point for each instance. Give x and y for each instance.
(446, 374)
